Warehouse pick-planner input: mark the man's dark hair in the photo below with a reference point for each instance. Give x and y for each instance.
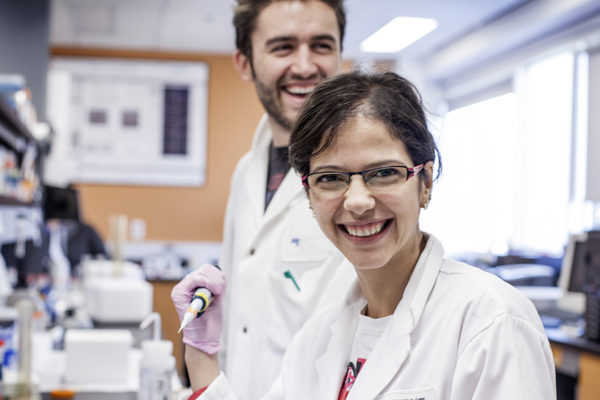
(247, 11)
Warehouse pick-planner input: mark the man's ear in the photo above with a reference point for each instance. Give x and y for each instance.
(243, 65)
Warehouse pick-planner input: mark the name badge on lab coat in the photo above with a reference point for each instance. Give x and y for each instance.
(413, 394)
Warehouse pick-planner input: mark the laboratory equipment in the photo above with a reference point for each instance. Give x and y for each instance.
(24, 387)
(5, 287)
(118, 300)
(157, 365)
(97, 356)
(580, 280)
(109, 298)
(572, 275)
(200, 301)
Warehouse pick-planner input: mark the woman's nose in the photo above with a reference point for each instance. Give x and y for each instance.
(358, 198)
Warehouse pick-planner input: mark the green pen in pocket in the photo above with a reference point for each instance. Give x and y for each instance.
(288, 274)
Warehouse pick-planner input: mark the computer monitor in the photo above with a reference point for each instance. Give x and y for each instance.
(575, 274)
(60, 203)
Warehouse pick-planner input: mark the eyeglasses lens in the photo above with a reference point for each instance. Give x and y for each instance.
(335, 183)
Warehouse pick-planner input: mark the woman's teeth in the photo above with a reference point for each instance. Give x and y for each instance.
(366, 230)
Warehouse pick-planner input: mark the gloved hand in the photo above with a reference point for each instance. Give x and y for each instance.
(204, 332)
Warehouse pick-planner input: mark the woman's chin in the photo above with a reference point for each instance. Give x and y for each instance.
(366, 263)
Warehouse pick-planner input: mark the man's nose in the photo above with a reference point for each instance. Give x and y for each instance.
(304, 64)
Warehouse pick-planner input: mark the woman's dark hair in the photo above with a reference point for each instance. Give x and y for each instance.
(246, 13)
(385, 97)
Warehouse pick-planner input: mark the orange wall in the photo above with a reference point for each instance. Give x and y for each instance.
(182, 213)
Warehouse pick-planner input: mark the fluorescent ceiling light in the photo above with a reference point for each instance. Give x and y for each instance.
(398, 34)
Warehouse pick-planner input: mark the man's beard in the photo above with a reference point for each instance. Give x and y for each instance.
(273, 107)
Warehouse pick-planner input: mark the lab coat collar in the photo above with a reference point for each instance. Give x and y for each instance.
(262, 134)
(290, 187)
(256, 178)
(423, 278)
(385, 360)
(331, 366)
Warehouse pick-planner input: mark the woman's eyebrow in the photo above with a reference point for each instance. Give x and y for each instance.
(377, 164)
(332, 168)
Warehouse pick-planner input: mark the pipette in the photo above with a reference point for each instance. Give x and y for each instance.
(200, 302)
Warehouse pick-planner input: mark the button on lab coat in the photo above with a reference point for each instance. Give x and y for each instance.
(280, 268)
(458, 333)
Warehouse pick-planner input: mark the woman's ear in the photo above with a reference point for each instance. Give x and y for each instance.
(427, 184)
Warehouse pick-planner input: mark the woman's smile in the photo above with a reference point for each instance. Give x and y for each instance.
(367, 230)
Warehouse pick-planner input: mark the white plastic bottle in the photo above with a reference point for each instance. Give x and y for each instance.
(157, 367)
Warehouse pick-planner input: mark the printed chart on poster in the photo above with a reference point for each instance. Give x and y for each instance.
(130, 122)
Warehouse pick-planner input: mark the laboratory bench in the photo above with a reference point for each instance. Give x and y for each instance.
(95, 396)
(577, 362)
(577, 359)
(161, 303)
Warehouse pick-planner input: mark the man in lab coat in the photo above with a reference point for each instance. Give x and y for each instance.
(279, 266)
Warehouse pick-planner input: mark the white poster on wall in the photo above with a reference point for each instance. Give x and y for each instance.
(128, 122)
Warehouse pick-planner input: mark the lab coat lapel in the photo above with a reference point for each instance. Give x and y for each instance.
(385, 360)
(331, 366)
(394, 346)
(255, 182)
(255, 178)
(290, 187)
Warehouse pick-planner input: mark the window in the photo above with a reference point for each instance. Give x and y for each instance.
(472, 204)
(544, 184)
(508, 166)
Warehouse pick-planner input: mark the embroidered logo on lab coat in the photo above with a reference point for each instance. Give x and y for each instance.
(304, 246)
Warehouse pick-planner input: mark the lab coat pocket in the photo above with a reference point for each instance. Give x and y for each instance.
(304, 245)
(297, 281)
(412, 394)
(303, 241)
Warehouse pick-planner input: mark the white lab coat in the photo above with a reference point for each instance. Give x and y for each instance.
(459, 333)
(263, 307)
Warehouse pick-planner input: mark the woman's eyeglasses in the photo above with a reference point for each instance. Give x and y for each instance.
(336, 183)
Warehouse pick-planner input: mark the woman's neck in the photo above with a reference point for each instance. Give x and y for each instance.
(384, 287)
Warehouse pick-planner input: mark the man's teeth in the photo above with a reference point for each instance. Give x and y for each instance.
(301, 90)
(368, 230)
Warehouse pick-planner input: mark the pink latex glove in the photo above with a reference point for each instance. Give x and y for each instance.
(204, 332)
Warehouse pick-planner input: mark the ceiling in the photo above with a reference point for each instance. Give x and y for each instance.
(205, 25)
(466, 28)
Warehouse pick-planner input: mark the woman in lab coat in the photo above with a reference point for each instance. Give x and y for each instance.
(415, 325)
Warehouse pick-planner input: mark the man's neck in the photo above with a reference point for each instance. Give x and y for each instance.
(281, 136)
